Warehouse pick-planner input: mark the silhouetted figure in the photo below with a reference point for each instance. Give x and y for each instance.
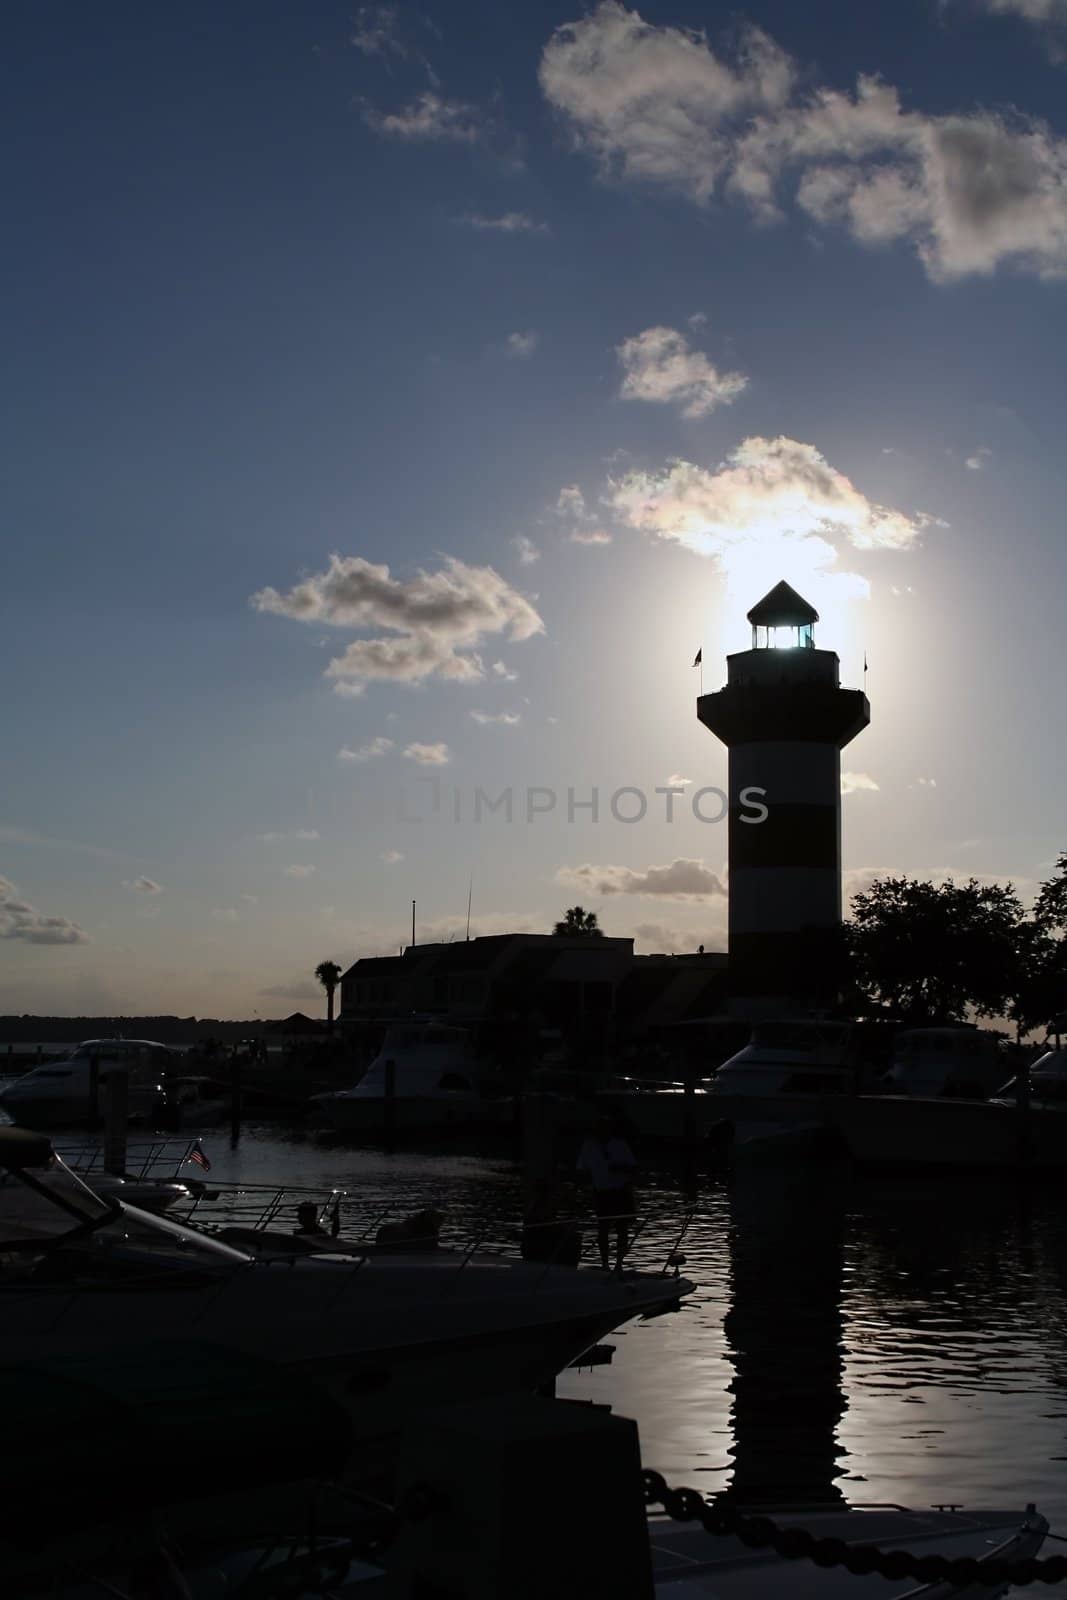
(608, 1164)
(544, 1238)
(310, 1228)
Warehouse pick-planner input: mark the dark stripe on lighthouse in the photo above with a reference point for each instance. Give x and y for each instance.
(789, 836)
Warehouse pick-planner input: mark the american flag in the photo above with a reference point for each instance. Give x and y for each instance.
(197, 1154)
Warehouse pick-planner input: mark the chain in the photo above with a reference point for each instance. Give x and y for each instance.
(795, 1544)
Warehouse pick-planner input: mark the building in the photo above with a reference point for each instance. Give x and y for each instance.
(785, 720)
(528, 994)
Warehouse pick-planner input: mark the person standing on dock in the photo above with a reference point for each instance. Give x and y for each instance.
(608, 1164)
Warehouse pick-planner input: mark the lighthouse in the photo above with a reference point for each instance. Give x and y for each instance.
(785, 719)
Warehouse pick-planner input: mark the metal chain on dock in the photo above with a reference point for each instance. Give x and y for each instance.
(797, 1544)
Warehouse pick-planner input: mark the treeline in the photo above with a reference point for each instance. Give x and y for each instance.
(166, 1030)
(944, 952)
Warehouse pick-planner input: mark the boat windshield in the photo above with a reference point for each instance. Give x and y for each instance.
(46, 1204)
(804, 1037)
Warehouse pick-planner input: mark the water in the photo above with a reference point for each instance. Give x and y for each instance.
(872, 1340)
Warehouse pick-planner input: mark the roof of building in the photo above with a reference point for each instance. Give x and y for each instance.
(782, 606)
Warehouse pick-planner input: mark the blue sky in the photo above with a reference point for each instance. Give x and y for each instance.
(568, 332)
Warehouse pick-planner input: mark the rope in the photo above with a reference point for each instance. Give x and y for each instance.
(795, 1544)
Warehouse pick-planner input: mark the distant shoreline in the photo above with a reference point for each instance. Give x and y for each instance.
(59, 1031)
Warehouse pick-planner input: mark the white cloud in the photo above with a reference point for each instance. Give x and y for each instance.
(391, 857)
(978, 459)
(370, 750)
(852, 782)
(299, 871)
(143, 885)
(773, 505)
(698, 320)
(20, 920)
(969, 190)
(522, 344)
(430, 116)
(510, 222)
(657, 938)
(374, 31)
(439, 619)
(927, 783)
(428, 755)
(528, 551)
(501, 670)
(660, 367)
(677, 782)
(680, 880)
(582, 524)
(1048, 17)
(508, 718)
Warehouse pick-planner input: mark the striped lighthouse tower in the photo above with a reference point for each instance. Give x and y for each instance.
(785, 720)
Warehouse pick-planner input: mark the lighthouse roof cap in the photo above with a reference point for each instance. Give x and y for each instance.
(782, 606)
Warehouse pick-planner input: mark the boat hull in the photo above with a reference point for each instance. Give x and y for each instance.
(975, 1135)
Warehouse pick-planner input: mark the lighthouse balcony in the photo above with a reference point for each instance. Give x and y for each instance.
(782, 667)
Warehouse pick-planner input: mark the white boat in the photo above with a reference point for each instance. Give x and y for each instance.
(385, 1333)
(957, 1061)
(425, 1076)
(60, 1094)
(781, 1079)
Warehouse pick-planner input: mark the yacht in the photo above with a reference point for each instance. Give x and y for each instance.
(780, 1079)
(958, 1061)
(386, 1334)
(60, 1094)
(425, 1076)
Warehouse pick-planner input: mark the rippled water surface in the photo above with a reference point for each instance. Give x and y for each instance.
(873, 1340)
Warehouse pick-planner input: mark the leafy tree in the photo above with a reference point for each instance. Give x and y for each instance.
(933, 952)
(577, 922)
(329, 975)
(1050, 907)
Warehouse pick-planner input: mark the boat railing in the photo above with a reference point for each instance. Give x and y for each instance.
(161, 1159)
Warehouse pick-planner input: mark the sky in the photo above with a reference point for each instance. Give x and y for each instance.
(399, 398)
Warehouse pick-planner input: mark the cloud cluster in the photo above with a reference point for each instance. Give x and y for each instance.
(968, 190)
(370, 750)
(429, 116)
(773, 504)
(1048, 17)
(299, 870)
(509, 222)
(583, 525)
(429, 755)
(680, 880)
(439, 619)
(508, 719)
(521, 345)
(374, 32)
(659, 366)
(20, 920)
(143, 885)
(853, 782)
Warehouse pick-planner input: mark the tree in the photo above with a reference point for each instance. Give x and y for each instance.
(329, 975)
(934, 952)
(579, 923)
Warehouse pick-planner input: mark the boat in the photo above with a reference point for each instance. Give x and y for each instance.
(780, 1079)
(65, 1093)
(957, 1061)
(352, 1557)
(384, 1332)
(425, 1077)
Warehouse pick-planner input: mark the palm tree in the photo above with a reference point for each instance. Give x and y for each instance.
(329, 975)
(579, 922)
